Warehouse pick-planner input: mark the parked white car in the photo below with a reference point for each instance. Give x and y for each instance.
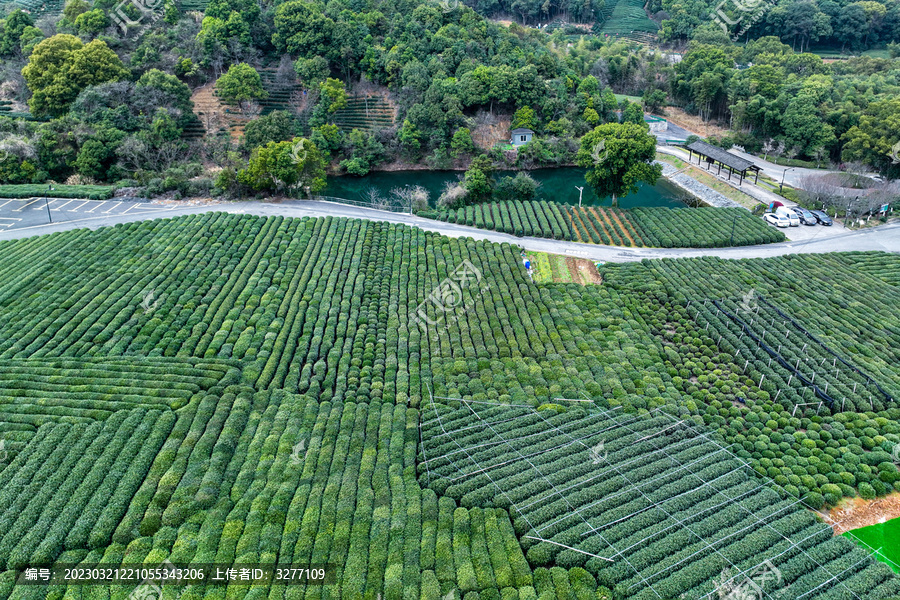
(777, 220)
(792, 217)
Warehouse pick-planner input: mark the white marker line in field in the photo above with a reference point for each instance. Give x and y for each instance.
(96, 207)
(77, 208)
(27, 205)
(66, 204)
(118, 204)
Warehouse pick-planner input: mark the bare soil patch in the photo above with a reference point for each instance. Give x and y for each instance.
(693, 123)
(215, 115)
(486, 135)
(583, 271)
(853, 513)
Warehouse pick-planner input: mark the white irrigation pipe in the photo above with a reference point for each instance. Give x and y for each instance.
(603, 473)
(691, 531)
(613, 547)
(690, 491)
(530, 435)
(781, 534)
(531, 537)
(535, 453)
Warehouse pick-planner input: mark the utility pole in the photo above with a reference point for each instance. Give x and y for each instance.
(781, 187)
(47, 204)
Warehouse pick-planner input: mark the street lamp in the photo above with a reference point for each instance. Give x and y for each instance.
(781, 187)
(580, 190)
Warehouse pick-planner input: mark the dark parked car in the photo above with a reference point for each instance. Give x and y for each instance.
(822, 217)
(806, 217)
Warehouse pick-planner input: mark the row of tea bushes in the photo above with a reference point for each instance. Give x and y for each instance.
(71, 485)
(327, 482)
(652, 491)
(643, 226)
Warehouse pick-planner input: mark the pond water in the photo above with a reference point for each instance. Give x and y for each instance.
(885, 536)
(557, 185)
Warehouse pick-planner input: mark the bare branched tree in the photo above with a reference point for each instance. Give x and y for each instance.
(250, 109)
(777, 148)
(285, 76)
(213, 120)
(819, 154)
(793, 151)
(372, 195)
(412, 198)
(453, 193)
(818, 190)
(18, 146)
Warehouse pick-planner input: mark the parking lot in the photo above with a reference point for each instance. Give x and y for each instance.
(31, 212)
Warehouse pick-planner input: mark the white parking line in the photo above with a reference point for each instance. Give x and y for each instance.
(143, 206)
(64, 205)
(5, 203)
(96, 207)
(118, 204)
(27, 205)
(79, 206)
(8, 219)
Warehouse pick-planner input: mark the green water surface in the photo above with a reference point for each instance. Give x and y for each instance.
(884, 536)
(557, 185)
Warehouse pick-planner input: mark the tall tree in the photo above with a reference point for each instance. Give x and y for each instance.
(240, 84)
(618, 156)
(61, 66)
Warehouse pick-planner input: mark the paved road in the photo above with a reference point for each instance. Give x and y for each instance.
(792, 175)
(884, 238)
(29, 212)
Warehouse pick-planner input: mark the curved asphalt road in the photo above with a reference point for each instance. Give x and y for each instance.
(883, 238)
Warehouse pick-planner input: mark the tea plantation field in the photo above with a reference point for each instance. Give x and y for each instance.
(645, 226)
(415, 413)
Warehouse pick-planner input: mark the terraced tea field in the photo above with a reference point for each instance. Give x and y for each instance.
(417, 415)
(627, 18)
(366, 112)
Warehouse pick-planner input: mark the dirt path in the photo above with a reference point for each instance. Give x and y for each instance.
(587, 227)
(624, 229)
(606, 220)
(854, 513)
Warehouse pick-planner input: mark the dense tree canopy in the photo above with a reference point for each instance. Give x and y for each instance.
(449, 76)
(281, 165)
(61, 66)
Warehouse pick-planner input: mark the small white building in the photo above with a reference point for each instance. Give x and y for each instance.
(520, 136)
